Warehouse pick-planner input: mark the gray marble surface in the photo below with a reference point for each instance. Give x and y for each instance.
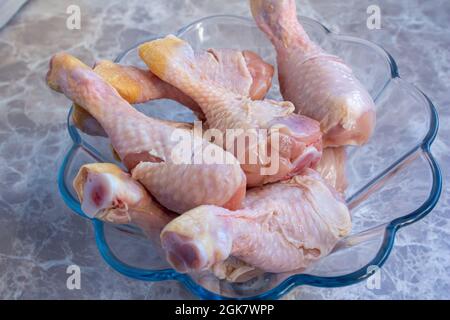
(39, 235)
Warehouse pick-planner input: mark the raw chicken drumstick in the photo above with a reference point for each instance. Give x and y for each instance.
(150, 148)
(282, 227)
(112, 195)
(243, 72)
(299, 139)
(320, 85)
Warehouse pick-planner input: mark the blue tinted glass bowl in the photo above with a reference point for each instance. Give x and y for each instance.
(393, 180)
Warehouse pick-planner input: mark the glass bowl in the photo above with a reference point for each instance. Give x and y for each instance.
(393, 180)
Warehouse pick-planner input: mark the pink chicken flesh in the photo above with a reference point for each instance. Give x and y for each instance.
(320, 85)
(282, 227)
(296, 140)
(151, 148)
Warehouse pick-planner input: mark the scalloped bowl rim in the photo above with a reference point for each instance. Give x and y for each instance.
(292, 281)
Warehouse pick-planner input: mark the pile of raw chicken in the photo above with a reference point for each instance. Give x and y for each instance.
(230, 218)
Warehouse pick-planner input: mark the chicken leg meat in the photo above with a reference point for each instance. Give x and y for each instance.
(243, 72)
(152, 149)
(112, 195)
(281, 227)
(293, 141)
(320, 85)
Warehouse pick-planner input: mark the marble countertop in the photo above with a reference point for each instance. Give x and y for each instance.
(39, 235)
